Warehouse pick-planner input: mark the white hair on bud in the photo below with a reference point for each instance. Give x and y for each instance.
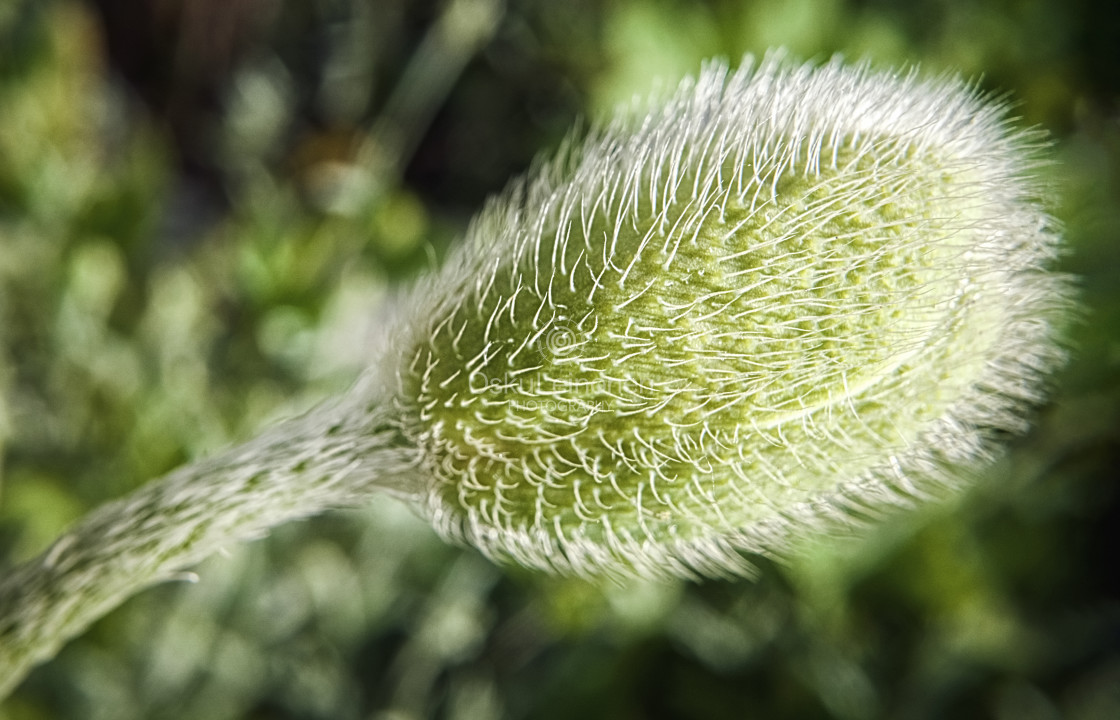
(778, 301)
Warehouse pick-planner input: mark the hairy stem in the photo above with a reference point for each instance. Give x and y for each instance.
(334, 457)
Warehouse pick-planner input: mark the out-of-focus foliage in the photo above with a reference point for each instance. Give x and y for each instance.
(203, 205)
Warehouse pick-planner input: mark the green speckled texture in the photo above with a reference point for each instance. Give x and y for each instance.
(694, 376)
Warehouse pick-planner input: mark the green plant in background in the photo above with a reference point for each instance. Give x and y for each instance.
(127, 349)
(779, 300)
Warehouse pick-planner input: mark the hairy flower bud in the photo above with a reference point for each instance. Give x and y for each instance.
(783, 298)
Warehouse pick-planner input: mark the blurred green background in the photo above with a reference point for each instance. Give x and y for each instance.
(204, 202)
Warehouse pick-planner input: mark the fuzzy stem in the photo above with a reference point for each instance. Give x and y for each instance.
(333, 457)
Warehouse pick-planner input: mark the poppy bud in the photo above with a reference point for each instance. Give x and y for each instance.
(782, 298)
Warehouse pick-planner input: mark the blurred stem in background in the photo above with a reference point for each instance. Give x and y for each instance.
(181, 58)
(200, 203)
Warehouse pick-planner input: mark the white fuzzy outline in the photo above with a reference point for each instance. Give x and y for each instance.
(762, 119)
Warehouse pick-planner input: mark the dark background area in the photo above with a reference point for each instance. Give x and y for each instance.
(202, 204)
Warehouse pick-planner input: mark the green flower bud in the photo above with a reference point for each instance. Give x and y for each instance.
(781, 299)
